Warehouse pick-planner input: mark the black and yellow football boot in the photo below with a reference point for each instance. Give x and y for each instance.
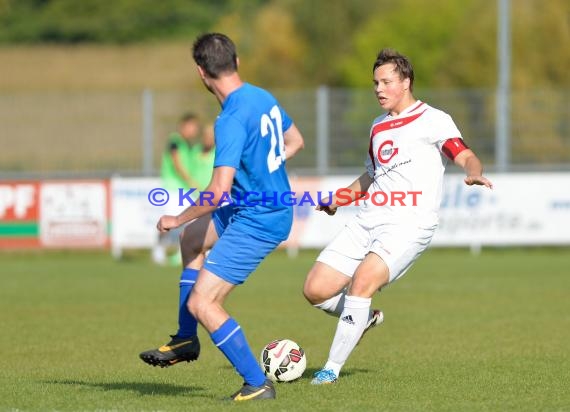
(175, 351)
(254, 393)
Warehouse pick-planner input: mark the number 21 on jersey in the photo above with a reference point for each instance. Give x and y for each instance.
(272, 124)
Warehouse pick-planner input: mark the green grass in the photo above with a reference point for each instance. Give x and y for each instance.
(462, 333)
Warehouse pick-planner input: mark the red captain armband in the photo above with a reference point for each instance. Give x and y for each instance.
(452, 147)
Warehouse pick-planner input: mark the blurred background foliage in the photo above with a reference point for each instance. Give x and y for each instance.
(299, 43)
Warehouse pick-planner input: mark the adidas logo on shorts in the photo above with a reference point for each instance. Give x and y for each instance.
(348, 319)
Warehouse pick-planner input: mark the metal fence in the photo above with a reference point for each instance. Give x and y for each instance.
(70, 134)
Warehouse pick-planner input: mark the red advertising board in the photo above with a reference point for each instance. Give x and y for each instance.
(60, 214)
(19, 212)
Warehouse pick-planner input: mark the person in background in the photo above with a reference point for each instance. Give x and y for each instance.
(201, 166)
(176, 172)
(202, 162)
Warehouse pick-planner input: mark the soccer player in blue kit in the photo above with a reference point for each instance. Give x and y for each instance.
(253, 137)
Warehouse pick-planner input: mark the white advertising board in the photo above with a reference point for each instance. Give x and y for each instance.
(73, 214)
(134, 217)
(522, 209)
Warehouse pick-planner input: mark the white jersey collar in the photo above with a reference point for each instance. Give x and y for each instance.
(408, 110)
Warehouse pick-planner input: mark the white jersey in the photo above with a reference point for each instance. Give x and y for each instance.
(405, 160)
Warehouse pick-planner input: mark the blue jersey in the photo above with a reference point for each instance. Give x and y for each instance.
(249, 137)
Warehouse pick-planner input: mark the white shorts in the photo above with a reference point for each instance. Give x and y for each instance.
(399, 245)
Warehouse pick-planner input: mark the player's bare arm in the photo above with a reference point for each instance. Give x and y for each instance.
(473, 169)
(180, 169)
(221, 183)
(293, 141)
(354, 191)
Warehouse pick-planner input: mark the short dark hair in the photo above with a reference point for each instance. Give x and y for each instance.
(188, 117)
(215, 53)
(402, 65)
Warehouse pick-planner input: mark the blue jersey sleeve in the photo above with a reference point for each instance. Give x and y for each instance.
(230, 136)
(286, 120)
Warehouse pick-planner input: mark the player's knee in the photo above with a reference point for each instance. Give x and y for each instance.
(190, 241)
(308, 294)
(311, 293)
(195, 306)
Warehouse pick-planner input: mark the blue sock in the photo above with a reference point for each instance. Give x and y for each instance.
(229, 338)
(187, 325)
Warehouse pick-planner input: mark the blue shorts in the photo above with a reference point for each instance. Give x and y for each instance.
(238, 251)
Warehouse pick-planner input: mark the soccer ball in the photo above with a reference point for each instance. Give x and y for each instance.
(283, 360)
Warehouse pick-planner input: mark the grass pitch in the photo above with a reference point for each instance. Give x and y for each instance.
(462, 333)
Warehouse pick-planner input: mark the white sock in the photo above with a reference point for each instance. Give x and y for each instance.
(350, 327)
(333, 306)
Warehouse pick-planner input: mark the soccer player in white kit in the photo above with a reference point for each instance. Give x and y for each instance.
(401, 192)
